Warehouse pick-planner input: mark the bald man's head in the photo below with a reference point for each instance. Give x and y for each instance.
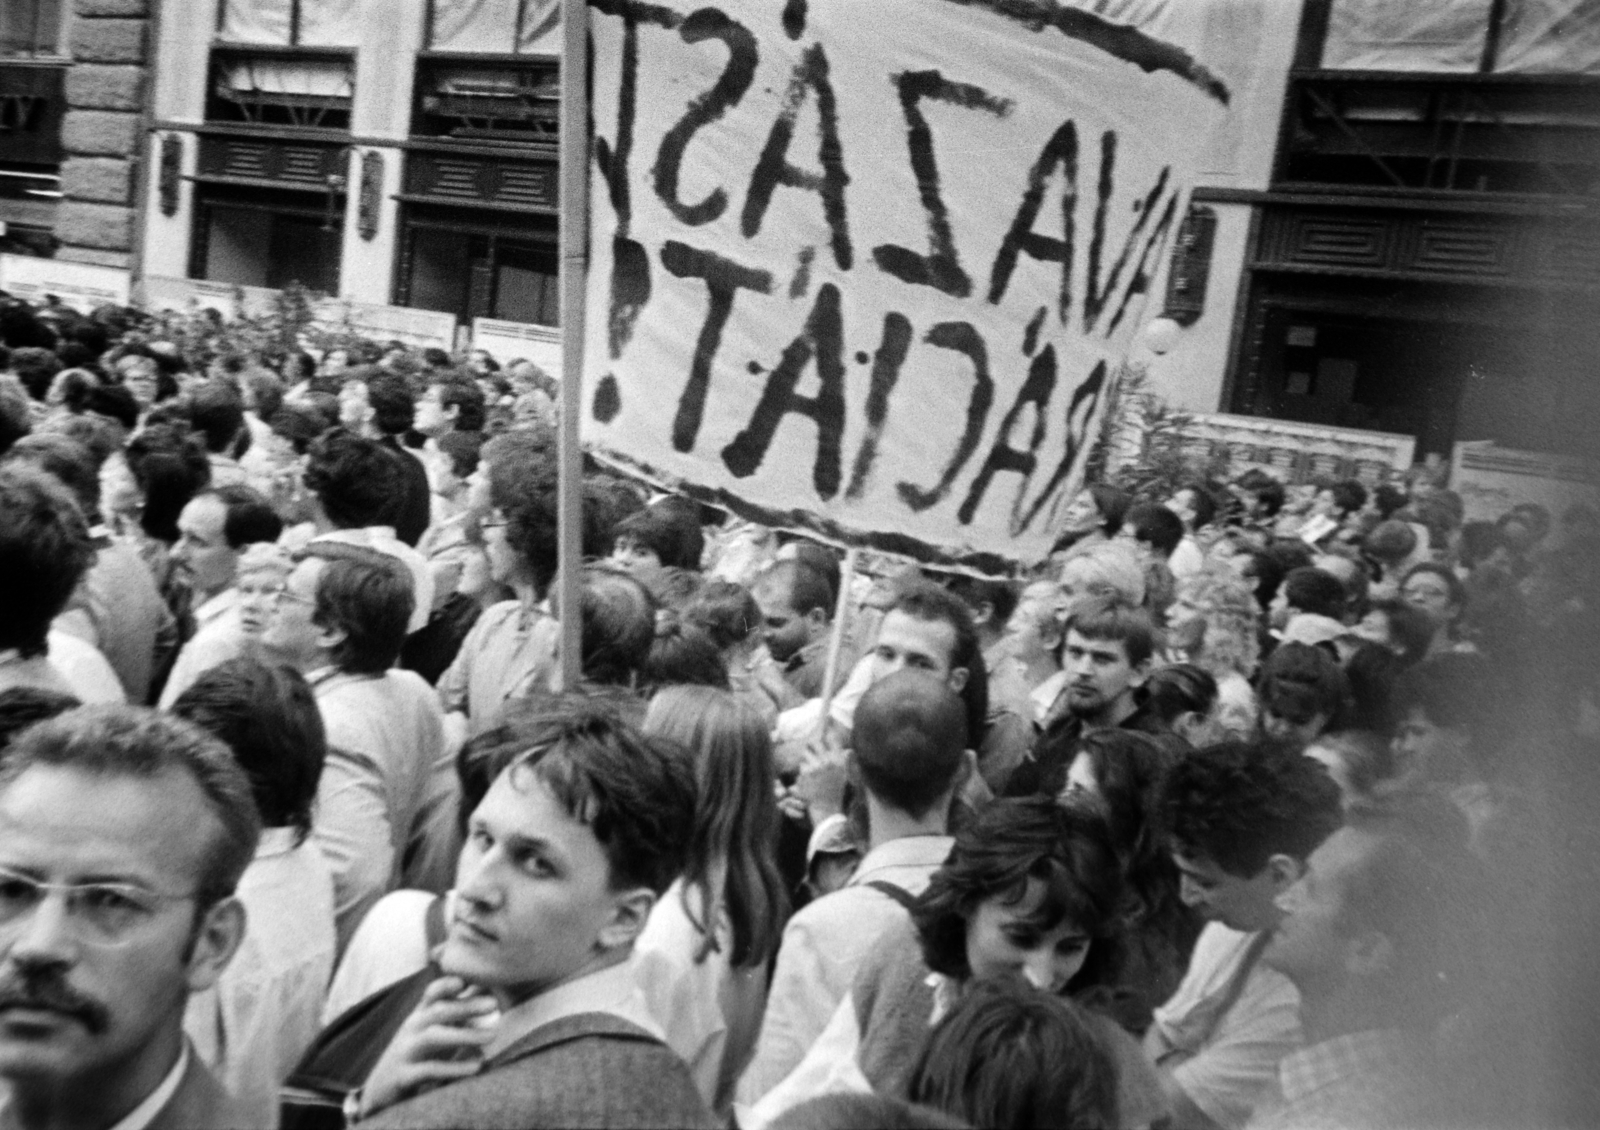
(910, 738)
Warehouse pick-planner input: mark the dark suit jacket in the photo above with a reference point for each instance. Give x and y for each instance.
(199, 1103)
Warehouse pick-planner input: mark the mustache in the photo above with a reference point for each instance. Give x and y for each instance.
(50, 991)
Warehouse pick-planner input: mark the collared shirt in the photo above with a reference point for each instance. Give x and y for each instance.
(509, 651)
(611, 990)
(255, 1023)
(217, 639)
(224, 471)
(69, 667)
(1044, 696)
(1361, 1081)
(145, 1113)
(823, 947)
(388, 772)
(1312, 628)
(1225, 1056)
(86, 672)
(1187, 558)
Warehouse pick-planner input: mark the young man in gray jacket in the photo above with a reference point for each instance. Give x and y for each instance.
(537, 1020)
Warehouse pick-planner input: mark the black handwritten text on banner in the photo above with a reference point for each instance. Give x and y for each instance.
(867, 266)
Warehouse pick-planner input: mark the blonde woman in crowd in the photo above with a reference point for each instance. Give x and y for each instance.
(704, 955)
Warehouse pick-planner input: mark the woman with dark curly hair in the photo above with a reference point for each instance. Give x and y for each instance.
(1032, 887)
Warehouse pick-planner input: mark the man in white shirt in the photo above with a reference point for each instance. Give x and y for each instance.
(122, 835)
(386, 805)
(213, 530)
(910, 756)
(255, 1023)
(1241, 819)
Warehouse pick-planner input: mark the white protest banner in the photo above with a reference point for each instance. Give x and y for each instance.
(81, 286)
(228, 299)
(508, 341)
(421, 328)
(1297, 453)
(866, 268)
(1491, 480)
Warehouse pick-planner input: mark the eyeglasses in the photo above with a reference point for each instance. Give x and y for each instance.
(279, 595)
(100, 914)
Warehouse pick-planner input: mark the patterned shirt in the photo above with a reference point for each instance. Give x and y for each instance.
(1374, 1079)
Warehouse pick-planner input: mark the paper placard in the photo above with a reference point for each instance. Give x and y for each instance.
(183, 295)
(82, 286)
(868, 269)
(508, 341)
(1297, 453)
(421, 328)
(1491, 480)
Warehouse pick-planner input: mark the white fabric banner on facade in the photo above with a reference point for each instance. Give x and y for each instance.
(1299, 453)
(869, 269)
(420, 328)
(186, 295)
(1442, 36)
(323, 23)
(1491, 480)
(491, 26)
(1550, 37)
(511, 341)
(81, 286)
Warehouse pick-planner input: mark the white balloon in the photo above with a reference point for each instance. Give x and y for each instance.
(1161, 335)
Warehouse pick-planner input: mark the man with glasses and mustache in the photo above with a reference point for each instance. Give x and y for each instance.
(122, 836)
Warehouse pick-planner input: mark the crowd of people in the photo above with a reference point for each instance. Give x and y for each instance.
(1244, 809)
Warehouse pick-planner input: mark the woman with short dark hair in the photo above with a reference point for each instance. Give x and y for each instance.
(1032, 887)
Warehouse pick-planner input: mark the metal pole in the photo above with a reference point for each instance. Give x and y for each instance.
(574, 274)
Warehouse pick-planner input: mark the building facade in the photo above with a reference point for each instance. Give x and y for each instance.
(397, 152)
(74, 77)
(1398, 229)
(1412, 243)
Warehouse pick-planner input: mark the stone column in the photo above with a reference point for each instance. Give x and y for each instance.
(105, 90)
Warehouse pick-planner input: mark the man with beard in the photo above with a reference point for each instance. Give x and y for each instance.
(122, 836)
(1106, 658)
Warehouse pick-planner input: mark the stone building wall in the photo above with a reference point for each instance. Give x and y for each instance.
(106, 91)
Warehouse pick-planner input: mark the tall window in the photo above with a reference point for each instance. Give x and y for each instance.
(30, 27)
(496, 27)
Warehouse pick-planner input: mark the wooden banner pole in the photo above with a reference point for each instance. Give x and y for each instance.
(574, 252)
(841, 616)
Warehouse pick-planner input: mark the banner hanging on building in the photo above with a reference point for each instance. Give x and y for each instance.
(81, 286)
(868, 269)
